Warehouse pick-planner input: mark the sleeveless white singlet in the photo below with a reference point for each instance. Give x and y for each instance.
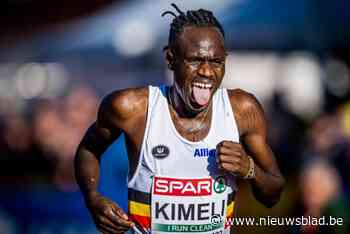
(177, 187)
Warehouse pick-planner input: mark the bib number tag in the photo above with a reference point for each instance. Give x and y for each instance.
(188, 205)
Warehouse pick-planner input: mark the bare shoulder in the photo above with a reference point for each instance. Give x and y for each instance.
(243, 101)
(124, 105)
(247, 110)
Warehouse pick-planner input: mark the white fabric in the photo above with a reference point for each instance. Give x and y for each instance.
(186, 159)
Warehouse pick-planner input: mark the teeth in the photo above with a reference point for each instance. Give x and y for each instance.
(202, 86)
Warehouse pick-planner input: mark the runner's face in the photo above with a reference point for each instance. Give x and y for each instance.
(199, 66)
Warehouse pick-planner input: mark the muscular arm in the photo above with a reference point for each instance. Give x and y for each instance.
(119, 112)
(268, 182)
(96, 140)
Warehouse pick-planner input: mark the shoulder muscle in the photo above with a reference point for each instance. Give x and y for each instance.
(122, 107)
(248, 112)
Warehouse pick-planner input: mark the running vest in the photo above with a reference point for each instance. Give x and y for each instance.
(177, 187)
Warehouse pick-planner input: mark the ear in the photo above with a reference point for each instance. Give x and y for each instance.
(169, 57)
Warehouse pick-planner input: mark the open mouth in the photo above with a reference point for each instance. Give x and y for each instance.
(201, 92)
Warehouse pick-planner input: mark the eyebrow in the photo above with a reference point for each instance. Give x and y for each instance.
(196, 56)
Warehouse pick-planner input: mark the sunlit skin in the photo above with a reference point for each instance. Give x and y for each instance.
(198, 54)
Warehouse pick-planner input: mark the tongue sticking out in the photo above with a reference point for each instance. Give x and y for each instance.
(201, 96)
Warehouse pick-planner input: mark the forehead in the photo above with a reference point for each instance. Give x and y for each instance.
(197, 40)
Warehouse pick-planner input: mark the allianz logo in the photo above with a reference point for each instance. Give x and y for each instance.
(204, 152)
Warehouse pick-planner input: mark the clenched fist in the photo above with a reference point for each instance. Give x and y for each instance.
(231, 157)
(108, 217)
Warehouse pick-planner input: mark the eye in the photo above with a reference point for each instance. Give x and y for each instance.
(193, 61)
(217, 62)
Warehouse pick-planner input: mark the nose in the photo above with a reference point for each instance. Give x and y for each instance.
(205, 70)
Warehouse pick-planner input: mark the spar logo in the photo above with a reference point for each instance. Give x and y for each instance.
(182, 187)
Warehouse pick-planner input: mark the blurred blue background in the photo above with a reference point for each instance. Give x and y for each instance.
(59, 58)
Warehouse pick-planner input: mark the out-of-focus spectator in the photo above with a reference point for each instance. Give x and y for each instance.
(21, 161)
(321, 192)
(48, 126)
(320, 184)
(80, 108)
(326, 132)
(37, 151)
(58, 128)
(324, 178)
(328, 139)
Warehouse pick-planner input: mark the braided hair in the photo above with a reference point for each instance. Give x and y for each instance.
(199, 18)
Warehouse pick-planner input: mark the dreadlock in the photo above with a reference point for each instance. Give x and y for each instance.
(199, 18)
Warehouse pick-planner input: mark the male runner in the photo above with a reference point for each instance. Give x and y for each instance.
(187, 143)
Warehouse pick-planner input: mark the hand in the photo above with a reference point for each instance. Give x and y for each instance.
(231, 157)
(109, 218)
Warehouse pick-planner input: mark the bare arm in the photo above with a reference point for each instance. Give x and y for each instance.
(118, 111)
(268, 181)
(96, 140)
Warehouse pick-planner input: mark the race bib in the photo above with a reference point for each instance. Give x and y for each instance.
(189, 205)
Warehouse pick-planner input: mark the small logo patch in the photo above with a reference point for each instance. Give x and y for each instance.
(220, 184)
(160, 151)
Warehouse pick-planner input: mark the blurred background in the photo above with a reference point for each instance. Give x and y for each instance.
(59, 58)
